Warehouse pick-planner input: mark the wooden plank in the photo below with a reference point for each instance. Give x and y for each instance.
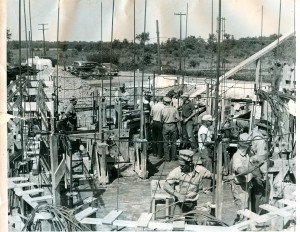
(248, 61)
(85, 213)
(154, 225)
(17, 178)
(42, 198)
(210, 228)
(243, 225)
(111, 217)
(59, 173)
(179, 225)
(274, 210)
(22, 185)
(253, 216)
(27, 192)
(122, 223)
(92, 221)
(287, 202)
(27, 198)
(144, 220)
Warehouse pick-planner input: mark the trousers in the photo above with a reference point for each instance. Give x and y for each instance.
(157, 138)
(188, 135)
(169, 138)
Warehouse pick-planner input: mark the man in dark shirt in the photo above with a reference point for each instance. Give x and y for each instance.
(187, 123)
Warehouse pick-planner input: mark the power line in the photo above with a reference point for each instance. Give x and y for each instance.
(180, 48)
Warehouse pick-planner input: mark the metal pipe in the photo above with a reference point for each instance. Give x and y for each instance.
(216, 113)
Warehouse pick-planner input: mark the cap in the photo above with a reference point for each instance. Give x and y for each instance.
(186, 155)
(167, 99)
(73, 98)
(244, 140)
(264, 124)
(207, 117)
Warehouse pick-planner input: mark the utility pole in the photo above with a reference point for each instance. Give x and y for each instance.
(158, 49)
(180, 14)
(43, 29)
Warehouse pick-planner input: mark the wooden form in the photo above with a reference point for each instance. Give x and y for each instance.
(144, 223)
(141, 157)
(276, 218)
(101, 164)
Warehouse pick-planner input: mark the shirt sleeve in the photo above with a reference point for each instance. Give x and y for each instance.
(174, 176)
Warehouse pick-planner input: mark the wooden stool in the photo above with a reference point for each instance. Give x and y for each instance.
(159, 194)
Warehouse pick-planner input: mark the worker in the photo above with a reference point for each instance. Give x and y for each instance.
(205, 142)
(71, 115)
(187, 108)
(184, 183)
(169, 119)
(241, 178)
(226, 139)
(156, 127)
(258, 154)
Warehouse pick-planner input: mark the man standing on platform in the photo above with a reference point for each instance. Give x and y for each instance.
(188, 108)
(169, 119)
(156, 126)
(71, 115)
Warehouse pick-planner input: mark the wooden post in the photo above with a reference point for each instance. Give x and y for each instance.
(100, 116)
(207, 99)
(257, 82)
(104, 114)
(54, 166)
(219, 186)
(102, 172)
(222, 111)
(143, 172)
(119, 115)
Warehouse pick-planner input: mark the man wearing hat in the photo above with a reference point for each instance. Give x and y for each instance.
(241, 183)
(205, 141)
(184, 182)
(169, 119)
(259, 153)
(71, 115)
(187, 123)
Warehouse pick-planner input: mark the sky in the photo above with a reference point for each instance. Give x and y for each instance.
(80, 20)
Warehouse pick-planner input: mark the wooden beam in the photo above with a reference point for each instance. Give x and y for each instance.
(144, 220)
(219, 186)
(85, 213)
(54, 166)
(27, 192)
(111, 217)
(248, 61)
(59, 173)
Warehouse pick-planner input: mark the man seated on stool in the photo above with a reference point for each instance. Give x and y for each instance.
(185, 182)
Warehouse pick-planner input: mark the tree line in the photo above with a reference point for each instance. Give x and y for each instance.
(194, 51)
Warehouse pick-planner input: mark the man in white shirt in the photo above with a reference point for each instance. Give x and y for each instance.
(156, 126)
(205, 141)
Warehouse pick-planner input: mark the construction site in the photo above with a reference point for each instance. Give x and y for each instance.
(94, 148)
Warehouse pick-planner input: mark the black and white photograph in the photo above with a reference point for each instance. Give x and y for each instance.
(151, 115)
